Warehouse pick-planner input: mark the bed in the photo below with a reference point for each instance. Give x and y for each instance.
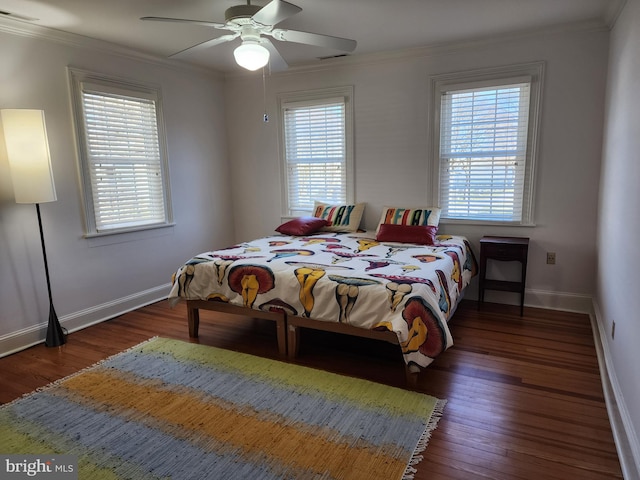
(358, 283)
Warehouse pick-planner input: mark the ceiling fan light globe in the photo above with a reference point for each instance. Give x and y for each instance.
(251, 55)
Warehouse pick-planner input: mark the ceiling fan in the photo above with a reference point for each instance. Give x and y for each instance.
(251, 23)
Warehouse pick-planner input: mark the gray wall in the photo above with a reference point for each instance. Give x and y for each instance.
(391, 148)
(93, 279)
(618, 296)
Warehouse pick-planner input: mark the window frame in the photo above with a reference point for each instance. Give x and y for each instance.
(109, 84)
(317, 97)
(489, 77)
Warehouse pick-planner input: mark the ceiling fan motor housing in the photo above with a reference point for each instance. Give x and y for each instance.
(241, 14)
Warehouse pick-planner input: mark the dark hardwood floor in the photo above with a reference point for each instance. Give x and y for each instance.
(524, 394)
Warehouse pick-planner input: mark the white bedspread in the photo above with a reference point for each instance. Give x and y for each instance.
(349, 278)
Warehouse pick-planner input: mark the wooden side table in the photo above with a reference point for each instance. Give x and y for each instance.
(505, 249)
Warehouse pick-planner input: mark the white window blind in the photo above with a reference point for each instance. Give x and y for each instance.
(315, 153)
(483, 152)
(122, 154)
(124, 158)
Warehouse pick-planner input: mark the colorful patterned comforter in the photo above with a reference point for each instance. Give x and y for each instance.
(409, 289)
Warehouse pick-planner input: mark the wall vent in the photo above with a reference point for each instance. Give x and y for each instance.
(17, 16)
(334, 56)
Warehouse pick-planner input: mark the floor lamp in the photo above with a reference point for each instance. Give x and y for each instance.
(25, 136)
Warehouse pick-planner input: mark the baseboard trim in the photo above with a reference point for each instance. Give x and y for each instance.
(568, 302)
(25, 338)
(625, 437)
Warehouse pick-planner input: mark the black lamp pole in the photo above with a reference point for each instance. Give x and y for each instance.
(55, 334)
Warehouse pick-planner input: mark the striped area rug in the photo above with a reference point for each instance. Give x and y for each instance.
(171, 409)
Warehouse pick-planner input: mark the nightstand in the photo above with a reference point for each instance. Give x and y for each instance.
(504, 249)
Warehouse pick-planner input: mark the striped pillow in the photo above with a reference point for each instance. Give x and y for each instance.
(341, 218)
(409, 216)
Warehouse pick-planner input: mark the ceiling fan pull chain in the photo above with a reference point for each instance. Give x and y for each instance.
(265, 117)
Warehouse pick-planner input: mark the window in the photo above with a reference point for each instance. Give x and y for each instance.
(485, 138)
(316, 149)
(122, 155)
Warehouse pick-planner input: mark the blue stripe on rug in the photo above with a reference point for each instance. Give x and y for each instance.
(245, 391)
(170, 409)
(128, 446)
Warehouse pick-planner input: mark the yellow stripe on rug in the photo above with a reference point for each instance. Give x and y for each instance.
(172, 409)
(374, 395)
(244, 429)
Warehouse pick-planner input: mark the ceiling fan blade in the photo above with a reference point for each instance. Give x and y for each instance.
(207, 44)
(275, 12)
(184, 20)
(316, 39)
(276, 62)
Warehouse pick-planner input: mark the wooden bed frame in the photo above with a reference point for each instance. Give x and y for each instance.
(193, 316)
(288, 329)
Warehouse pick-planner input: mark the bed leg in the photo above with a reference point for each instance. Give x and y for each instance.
(193, 315)
(293, 340)
(281, 330)
(411, 376)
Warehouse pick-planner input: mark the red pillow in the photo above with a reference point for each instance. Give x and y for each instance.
(420, 234)
(302, 226)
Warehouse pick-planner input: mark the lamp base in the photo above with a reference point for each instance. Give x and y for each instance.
(55, 335)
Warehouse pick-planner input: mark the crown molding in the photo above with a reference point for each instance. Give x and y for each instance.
(613, 12)
(23, 28)
(29, 30)
(446, 48)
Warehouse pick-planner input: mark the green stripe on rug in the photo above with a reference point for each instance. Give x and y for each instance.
(361, 391)
(171, 409)
(38, 441)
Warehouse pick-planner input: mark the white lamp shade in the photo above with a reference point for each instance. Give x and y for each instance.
(25, 135)
(251, 55)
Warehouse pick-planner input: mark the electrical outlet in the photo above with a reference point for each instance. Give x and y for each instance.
(613, 330)
(551, 258)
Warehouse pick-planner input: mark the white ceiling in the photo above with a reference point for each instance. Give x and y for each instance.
(377, 25)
